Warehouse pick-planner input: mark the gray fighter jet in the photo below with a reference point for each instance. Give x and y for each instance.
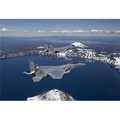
(56, 72)
(48, 48)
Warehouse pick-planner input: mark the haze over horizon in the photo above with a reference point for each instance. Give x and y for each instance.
(56, 27)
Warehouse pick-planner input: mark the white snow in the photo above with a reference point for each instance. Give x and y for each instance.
(62, 54)
(52, 95)
(117, 61)
(40, 47)
(78, 44)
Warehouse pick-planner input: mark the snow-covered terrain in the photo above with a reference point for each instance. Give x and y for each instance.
(52, 95)
(117, 63)
(84, 53)
(78, 44)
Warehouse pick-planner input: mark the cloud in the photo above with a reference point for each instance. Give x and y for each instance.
(96, 31)
(68, 31)
(87, 31)
(117, 31)
(101, 31)
(73, 31)
(6, 30)
(3, 29)
(41, 31)
(81, 31)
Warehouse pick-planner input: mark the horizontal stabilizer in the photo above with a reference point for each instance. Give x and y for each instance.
(29, 73)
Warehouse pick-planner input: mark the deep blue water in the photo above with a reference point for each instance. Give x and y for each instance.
(95, 81)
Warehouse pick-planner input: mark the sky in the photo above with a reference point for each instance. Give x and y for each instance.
(54, 27)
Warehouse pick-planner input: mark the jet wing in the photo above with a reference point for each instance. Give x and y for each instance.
(37, 78)
(66, 48)
(46, 67)
(62, 48)
(56, 74)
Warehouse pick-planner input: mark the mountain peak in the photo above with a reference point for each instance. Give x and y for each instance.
(52, 95)
(78, 44)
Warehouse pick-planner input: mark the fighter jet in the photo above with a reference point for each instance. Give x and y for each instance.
(38, 72)
(49, 49)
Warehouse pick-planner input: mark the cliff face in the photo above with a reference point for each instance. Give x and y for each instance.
(52, 95)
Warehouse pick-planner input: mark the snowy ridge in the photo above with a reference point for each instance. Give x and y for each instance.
(52, 95)
(78, 44)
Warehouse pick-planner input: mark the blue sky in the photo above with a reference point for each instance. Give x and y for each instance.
(43, 27)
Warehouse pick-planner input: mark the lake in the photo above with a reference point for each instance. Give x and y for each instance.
(95, 81)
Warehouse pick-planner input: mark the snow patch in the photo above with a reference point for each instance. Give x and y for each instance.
(62, 54)
(117, 61)
(78, 44)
